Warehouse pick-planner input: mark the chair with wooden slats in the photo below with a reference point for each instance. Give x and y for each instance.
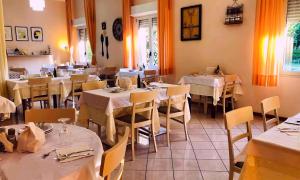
(92, 85)
(177, 96)
(228, 91)
(142, 102)
(109, 74)
(77, 81)
(268, 105)
(232, 120)
(150, 76)
(49, 115)
(113, 159)
(40, 91)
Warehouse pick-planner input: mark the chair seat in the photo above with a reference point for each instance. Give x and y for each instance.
(164, 109)
(127, 118)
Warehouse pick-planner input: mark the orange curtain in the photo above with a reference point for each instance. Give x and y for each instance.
(69, 14)
(268, 41)
(129, 38)
(90, 18)
(165, 37)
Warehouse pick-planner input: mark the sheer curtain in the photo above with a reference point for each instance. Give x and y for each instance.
(3, 59)
(268, 41)
(90, 17)
(165, 37)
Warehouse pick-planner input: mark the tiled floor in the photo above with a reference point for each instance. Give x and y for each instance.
(203, 156)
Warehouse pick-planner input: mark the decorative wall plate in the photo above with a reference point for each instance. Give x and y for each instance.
(118, 29)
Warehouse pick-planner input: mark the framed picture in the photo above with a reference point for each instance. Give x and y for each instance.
(21, 33)
(8, 33)
(191, 19)
(36, 33)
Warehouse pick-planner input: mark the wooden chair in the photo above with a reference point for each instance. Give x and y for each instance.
(228, 91)
(63, 67)
(21, 71)
(40, 91)
(268, 105)
(170, 112)
(49, 115)
(142, 102)
(113, 158)
(150, 76)
(109, 74)
(77, 81)
(92, 85)
(78, 66)
(233, 119)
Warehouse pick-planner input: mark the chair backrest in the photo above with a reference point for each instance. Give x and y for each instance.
(39, 86)
(21, 71)
(134, 80)
(180, 90)
(92, 85)
(110, 70)
(114, 157)
(233, 119)
(78, 66)
(268, 105)
(229, 85)
(78, 80)
(63, 67)
(150, 76)
(49, 115)
(143, 102)
(150, 72)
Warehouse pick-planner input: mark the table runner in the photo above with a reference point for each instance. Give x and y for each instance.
(273, 155)
(31, 166)
(19, 89)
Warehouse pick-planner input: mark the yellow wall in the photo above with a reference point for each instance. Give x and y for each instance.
(52, 20)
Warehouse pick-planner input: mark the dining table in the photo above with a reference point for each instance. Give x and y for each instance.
(19, 90)
(103, 105)
(274, 154)
(205, 85)
(33, 166)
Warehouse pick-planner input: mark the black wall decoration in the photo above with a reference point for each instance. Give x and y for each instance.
(234, 13)
(118, 29)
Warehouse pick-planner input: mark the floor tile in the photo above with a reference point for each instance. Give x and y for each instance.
(206, 154)
(183, 154)
(199, 137)
(211, 165)
(187, 175)
(181, 145)
(159, 164)
(215, 137)
(131, 175)
(202, 145)
(161, 154)
(185, 164)
(162, 175)
(214, 175)
(137, 164)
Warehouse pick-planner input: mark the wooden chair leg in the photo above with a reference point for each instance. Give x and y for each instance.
(168, 130)
(66, 103)
(232, 103)
(185, 129)
(153, 136)
(231, 173)
(41, 104)
(132, 143)
(224, 105)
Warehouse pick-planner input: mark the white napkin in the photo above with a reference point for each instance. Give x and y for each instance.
(73, 153)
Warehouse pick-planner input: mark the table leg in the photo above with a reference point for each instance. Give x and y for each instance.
(205, 104)
(213, 111)
(55, 101)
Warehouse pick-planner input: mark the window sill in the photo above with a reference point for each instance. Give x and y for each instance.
(290, 74)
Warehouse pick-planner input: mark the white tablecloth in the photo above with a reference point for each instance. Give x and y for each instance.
(102, 106)
(31, 166)
(19, 89)
(209, 85)
(274, 154)
(6, 106)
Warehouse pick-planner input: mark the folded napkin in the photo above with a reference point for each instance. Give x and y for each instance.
(9, 147)
(31, 139)
(125, 83)
(73, 153)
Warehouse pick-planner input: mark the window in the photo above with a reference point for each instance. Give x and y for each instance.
(147, 42)
(84, 48)
(292, 57)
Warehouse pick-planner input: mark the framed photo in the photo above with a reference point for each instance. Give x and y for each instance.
(36, 33)
(21, 33)
(191, 19)
(8, 33)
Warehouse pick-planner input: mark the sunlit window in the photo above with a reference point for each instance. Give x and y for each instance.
(292, 57)
(147, 42)
(84, 48)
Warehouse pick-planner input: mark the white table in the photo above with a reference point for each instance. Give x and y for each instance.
(31, 166)
(19, 89)
(102, 106)
(274, 154)
(209, 86)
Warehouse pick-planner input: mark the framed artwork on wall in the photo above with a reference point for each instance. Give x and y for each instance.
(21, 33)
(36, 33)
(8, 33)
(191, 23)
